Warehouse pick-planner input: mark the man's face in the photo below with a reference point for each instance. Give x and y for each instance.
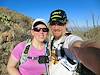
(58, 29)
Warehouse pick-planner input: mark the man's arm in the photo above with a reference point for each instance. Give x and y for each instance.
(89, 54)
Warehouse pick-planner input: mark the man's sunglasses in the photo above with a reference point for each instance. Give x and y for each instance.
(38, 29)
(57, 23)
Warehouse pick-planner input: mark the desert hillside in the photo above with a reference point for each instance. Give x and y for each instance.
(14, 27)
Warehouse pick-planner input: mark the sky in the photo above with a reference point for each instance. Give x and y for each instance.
(79, 12)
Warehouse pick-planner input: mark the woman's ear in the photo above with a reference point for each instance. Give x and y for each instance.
(32, 32)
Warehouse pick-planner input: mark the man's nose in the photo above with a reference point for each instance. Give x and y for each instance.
(56, 26)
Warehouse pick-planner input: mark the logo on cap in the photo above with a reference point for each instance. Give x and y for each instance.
(58, 15)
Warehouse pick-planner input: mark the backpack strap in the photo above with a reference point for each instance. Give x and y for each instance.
(59, 51)
(25, 56)
(47, 53)
(25, 51)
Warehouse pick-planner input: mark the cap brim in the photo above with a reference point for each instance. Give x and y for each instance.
(38, 20)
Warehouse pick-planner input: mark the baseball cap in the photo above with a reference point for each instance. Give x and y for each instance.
(38, 21)
(58, 16)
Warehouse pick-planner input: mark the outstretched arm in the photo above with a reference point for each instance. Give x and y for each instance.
(89, 54)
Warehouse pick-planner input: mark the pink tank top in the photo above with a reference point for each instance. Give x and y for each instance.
(30, 67)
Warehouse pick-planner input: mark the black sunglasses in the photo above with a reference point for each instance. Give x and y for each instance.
(38, 29)
(57, 23)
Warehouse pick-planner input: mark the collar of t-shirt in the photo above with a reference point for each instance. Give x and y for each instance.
(57, 42)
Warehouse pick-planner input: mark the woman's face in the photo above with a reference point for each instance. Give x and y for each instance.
(40, 32)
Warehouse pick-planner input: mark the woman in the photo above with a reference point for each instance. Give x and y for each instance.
(37, 48)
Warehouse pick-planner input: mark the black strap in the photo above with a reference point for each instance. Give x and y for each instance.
(27, 49)
(52, 41)
(62, 50)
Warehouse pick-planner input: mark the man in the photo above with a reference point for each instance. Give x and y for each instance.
(63, 61)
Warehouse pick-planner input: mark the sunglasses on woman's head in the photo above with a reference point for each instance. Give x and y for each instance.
(57, 23)
(38, 29)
